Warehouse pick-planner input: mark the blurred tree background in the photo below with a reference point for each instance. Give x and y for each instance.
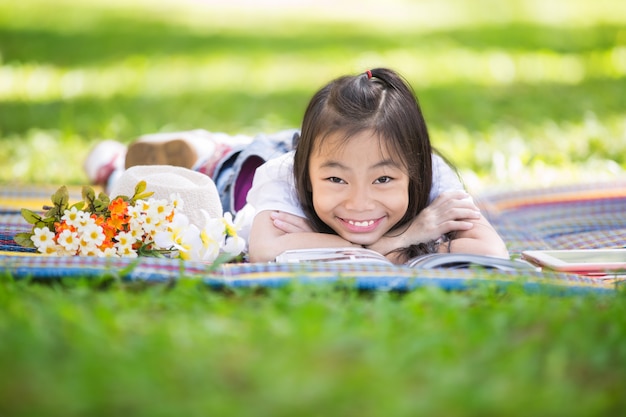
(516, 93)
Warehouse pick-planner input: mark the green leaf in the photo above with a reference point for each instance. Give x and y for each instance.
(88, 193)
(140, 187)
(104, 198)
(89, 196)
(101, 204)
(143, 196)
(23, 239)
(79, 206)
(139, 192)
(30, 216)
(61, 198)
(48, 222)
(54, 213)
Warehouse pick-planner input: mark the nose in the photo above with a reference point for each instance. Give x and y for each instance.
(359, 198)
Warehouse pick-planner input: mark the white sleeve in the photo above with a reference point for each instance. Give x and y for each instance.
(273, 187)
(444, 178)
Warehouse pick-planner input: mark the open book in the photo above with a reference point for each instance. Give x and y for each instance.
(428, 261)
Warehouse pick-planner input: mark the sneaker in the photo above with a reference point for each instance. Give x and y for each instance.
(189, 149)
(161, 151)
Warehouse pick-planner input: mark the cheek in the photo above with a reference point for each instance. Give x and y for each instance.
(321, 200)
(399, 201)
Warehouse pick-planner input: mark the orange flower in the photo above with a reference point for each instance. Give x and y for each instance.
(118, 207)
(99, 219)
(117, 222)
(61, 226)
(107, 243)
(109, 231)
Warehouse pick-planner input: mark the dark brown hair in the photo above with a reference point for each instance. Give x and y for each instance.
(380, 101)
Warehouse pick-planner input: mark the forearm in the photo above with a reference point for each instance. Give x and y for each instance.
(471, 236)
(263, 250)
(388, 244)
(266, 241)
(482, 239)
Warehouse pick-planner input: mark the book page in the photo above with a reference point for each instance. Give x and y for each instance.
(334, 255)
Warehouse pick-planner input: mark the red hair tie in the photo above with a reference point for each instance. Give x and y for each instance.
(369, 74)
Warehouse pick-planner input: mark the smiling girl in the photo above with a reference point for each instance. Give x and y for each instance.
(363, 173)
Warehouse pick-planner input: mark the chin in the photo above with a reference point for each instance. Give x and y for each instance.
(362, 240)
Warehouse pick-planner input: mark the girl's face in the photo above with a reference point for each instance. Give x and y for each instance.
(358, 190)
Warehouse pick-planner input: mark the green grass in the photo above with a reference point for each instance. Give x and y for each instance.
(519, 93)
(74, 350)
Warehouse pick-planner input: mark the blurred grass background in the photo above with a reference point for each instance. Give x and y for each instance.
(516, 93)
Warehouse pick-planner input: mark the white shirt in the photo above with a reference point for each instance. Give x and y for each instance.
(273, 187)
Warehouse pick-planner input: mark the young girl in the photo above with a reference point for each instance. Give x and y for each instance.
(363, 173)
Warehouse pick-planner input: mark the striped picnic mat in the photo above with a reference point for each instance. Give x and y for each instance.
(584, 216)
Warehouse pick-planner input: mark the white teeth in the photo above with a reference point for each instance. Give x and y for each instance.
(361, 224)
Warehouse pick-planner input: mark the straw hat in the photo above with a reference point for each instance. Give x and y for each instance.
(197, 191)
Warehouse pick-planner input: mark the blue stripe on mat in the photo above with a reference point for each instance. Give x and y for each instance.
(363, 276)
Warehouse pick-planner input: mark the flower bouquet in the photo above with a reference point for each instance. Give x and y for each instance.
(129, 227)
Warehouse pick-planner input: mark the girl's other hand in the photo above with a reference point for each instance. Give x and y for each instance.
(450, 211)
(289, 223)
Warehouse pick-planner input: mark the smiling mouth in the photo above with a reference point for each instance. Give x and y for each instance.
(360, 226)
(364, 223)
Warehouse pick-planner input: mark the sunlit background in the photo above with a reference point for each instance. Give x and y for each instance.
(516, 93)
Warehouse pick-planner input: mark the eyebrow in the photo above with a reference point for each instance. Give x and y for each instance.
(380, 164)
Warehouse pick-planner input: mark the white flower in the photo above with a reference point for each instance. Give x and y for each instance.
(161, 208)
(177, 202)
(210, 244)
(43, 239)
(107, 252)
(92, 234)
(125, 239)
(126, 252)
(142, 205)
(181, 236)
(235, 244)
(87, 249)
(212, 237)
(68, 240)
(50, 250)
(243, 221)
(149, 223)
(174, 235)
(87, 221)
(73, 217)
(136, 226)
(124, 245)
(192, 243)
(134, 212)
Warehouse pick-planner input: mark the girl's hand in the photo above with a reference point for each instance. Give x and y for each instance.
(450, 211)
(289, 223)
